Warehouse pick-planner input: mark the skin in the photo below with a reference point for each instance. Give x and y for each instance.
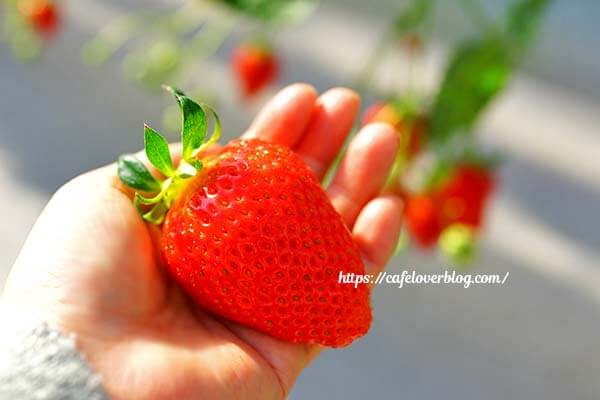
(91, 266)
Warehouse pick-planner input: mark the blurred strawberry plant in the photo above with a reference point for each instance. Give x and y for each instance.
(174, 45)
(28, 25)
(442, 171)
(273, 11)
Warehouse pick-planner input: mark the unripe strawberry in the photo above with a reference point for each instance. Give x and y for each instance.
(254, 66)
(457, 243)
(41, 14)
(251, 236)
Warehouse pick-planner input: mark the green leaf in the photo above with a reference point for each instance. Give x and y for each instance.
(157, 214)
(157, 151)
(523, 21)
(173, 90)
(194, 127)
(413, 16)
(477, 72)
(216, 133)
(134, 174)
(277, 11)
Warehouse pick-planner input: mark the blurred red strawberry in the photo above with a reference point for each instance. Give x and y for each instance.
(382, 112)
(462, 197)
(412, 129)
(255, 67)
(41, 14)
(419, 129)
(422, 219)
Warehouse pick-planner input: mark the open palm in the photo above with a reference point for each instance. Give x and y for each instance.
(90, 266)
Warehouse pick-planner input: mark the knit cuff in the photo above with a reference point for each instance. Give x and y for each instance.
(38, 362)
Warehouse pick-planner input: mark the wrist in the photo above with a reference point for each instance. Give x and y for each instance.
(39, 360)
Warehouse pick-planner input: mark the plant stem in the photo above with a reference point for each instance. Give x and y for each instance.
(203, 45)
(373, 60)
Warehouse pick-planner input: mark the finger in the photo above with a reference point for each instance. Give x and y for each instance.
(285, 118)
(377, 230)
(363, 170)
(332, 120)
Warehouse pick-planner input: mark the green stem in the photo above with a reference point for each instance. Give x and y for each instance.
(203, 45)
(410, 74)
(115, 35)
(397, 168)
(374, 60)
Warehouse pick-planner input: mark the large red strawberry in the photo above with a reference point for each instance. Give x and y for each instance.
(255, 67)
(41, 14)
(251, 236)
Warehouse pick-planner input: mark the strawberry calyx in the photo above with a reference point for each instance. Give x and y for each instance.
(156, 196)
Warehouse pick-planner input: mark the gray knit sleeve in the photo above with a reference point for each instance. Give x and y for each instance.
(40, 363)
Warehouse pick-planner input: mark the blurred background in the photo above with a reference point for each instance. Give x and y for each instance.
(534, 337)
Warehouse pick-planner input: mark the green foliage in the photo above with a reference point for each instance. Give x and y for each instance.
(523, 21)
(273, 10)
(25, 44)
(194, 123)
(477, 71)
(480, 68)
(157, 151)
(135, 175)
(154, 65)
(413, 16)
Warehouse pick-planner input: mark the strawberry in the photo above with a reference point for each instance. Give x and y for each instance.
(41, 14)
(464, 195)
(251, 236)
(254, 66)
(411, 128)
(422, 219)
(458, 199)
(382, 112)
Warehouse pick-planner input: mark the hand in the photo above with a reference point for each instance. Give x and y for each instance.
(90, 266)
